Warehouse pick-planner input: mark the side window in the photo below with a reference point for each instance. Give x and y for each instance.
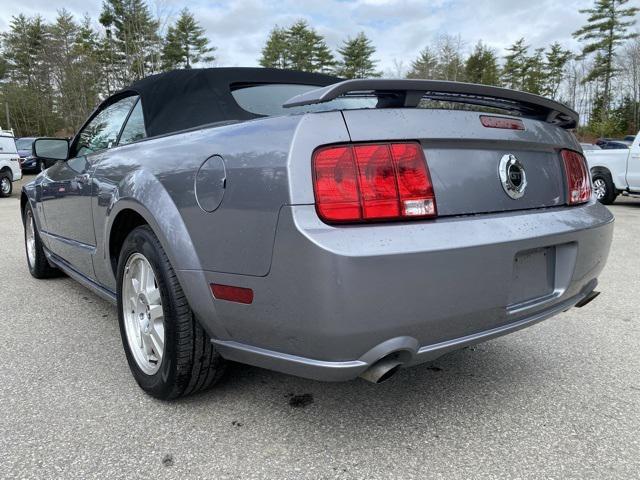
(102, 132)
(134, 129)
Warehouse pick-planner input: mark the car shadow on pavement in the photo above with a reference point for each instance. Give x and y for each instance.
(473, 381)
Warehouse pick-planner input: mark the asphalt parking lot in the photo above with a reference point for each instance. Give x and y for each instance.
(558, 400)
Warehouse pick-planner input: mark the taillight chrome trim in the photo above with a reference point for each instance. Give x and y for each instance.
(402, 198)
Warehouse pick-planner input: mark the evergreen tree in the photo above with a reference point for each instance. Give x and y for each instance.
(534, 79)
(554, 71)
(357, 61)
(275, 52)
(186, 44)
(514, 72)
(133, 41)
(425, 66)
(28, 92)
(299, 47)
(482, 66)
(607, 27)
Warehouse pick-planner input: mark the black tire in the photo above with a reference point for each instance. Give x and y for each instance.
(6, 186)
(39, 266)
(189, 362)
(604, 181)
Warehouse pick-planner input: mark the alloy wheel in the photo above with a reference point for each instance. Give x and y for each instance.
(5, 185)
(30, 237)
(599, 188)
(143, 313)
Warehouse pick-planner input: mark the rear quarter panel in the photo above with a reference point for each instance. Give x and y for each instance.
(156, 178)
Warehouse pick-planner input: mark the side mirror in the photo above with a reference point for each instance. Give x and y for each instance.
(51, 148)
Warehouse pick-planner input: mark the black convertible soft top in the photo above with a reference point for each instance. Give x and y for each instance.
(183, 99)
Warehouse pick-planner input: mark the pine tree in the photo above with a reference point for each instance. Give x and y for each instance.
(132, 36)
(275, 52)
(534, 79)
(514, 72)
(425, 66)
(482, 66)
(298, 47)
(186, 44)
(323, 59)
(607, 27)
(29, 90)
(554, 70)
(357, 61)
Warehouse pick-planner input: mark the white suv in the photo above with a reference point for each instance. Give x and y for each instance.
(9, 163)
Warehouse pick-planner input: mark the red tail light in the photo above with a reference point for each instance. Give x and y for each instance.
(370, 182)
(577, 175)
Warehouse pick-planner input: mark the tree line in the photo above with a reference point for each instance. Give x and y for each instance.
(53, 74)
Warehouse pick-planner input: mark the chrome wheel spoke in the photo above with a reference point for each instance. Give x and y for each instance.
(155, 313)
(158, 341)
(153, 296)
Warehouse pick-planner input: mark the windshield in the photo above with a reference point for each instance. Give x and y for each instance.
(24, 143)
(267, 100)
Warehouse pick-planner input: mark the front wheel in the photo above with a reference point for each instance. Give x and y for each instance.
(168, 352)
(6, 187)
(604, 189)
(37, 262)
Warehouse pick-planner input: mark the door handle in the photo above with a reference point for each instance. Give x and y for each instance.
(83, 178)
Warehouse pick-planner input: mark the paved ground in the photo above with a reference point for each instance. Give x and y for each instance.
(558, 400)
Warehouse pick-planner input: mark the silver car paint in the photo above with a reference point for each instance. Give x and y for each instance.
(333, 299)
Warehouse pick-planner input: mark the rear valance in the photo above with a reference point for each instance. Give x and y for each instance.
(409, 93)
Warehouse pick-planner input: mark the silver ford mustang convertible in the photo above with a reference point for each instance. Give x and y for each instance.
(318, 227)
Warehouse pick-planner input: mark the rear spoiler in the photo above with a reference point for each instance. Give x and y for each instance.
(409, 93)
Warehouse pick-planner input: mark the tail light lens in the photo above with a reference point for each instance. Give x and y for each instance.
(577, 175)
(372, 182)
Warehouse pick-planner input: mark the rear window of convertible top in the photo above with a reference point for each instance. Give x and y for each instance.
(267, 99)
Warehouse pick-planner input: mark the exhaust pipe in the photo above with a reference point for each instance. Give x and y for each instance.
(383, 369)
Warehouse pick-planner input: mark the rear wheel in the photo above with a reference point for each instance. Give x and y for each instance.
(604, 189)
(6, 187)
(169, 353)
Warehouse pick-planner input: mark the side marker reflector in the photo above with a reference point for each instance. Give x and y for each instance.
(232, 294)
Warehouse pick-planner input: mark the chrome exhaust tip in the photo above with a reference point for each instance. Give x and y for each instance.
(383, 369)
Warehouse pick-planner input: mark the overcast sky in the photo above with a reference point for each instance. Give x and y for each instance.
(398, 28)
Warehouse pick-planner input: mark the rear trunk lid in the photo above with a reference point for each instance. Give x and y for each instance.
(465, 158)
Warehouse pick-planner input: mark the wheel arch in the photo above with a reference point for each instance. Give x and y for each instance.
(23, 202)
(8, 171)
(600, 170)
(129, 213)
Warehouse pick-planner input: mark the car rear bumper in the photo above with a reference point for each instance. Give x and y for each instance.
(336, 300)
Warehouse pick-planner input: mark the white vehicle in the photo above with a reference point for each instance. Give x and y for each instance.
(9, 163)
(615, 171)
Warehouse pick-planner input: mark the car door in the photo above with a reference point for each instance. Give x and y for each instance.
(67, 187)
(633, 166)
